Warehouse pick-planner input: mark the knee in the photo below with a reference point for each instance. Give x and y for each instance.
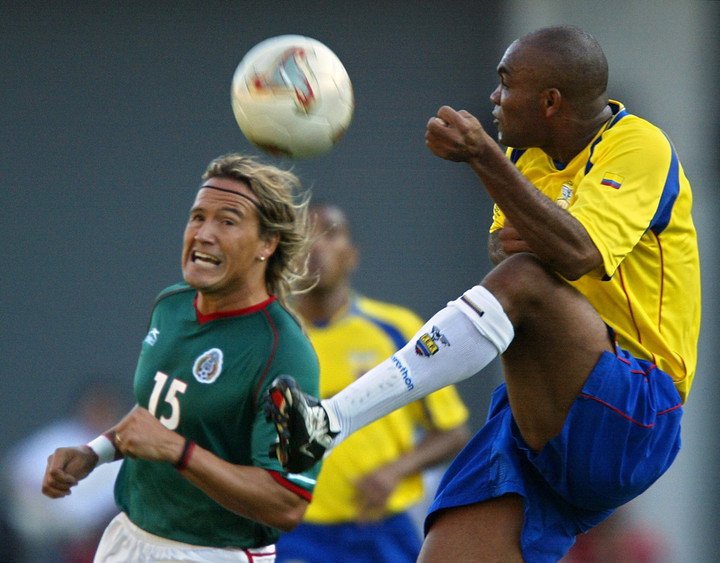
(521, 278)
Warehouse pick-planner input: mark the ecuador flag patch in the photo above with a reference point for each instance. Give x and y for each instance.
(612, 180)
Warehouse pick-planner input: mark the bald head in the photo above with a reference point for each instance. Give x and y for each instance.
(571, 60)
(328, 215)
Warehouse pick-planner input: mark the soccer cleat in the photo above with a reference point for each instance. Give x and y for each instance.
(302, 425)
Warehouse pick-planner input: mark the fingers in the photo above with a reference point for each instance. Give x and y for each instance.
(455, 135)
(508, 232)
(436, 122)
(124, 441)
(124, 447)
(444, 118)
(462, 120)
(133, 428)
(57, 482)
(511, 241)
(447, 114)
(140, 435)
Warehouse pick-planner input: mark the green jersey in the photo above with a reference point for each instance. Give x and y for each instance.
(205, 377)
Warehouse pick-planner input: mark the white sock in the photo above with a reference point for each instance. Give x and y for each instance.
(454, 344)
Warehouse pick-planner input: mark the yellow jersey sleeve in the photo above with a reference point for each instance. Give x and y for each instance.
(617, 199)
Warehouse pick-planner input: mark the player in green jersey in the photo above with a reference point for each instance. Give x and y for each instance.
(197, 482)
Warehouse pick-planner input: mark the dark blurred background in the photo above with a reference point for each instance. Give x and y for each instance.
(112, 110)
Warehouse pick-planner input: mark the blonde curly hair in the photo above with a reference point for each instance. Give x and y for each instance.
(282, 210)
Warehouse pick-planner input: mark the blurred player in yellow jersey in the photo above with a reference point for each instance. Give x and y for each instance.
(369, 482)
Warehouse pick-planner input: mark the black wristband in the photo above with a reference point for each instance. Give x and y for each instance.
(187, 451)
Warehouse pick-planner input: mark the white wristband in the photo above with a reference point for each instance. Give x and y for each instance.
(103, 448)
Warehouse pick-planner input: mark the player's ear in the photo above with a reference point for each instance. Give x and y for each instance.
(551, 99)
(352, 258)
(269, 243)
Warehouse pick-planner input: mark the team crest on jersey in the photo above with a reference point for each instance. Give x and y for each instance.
(565, 195)
(208, 366)
(429, 343)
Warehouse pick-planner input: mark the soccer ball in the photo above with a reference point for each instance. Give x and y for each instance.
(292, 97)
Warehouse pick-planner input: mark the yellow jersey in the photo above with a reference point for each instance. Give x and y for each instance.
(629, 191)
(358, 339)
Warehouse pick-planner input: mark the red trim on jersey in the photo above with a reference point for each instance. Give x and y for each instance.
(271, 357)
(629, 304)
(201, 318)
(299, 491)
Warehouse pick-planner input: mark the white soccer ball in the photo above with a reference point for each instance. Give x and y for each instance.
(292, 97)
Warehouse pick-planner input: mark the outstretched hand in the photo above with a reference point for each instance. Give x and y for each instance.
(455, 135)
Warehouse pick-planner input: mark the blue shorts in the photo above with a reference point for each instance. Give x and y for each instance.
(395, 539)
(621, 434)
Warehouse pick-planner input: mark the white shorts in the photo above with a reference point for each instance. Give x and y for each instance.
(123, 541)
